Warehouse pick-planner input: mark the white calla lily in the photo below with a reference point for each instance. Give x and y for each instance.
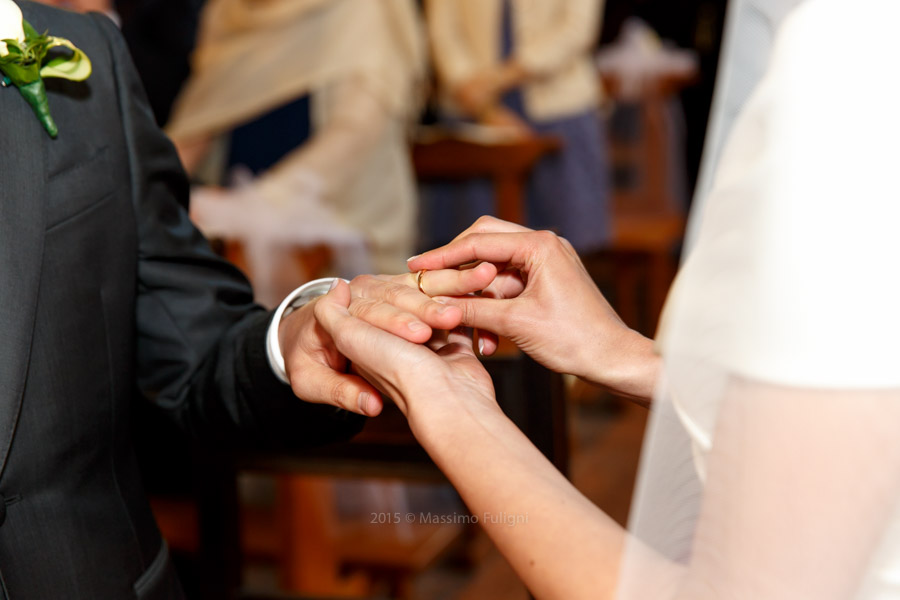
(10, 24)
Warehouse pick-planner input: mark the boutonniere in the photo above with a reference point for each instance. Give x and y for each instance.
(28, 57)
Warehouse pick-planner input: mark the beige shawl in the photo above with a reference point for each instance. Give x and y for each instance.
(255, 55)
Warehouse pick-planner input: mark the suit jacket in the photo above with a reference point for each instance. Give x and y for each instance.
(107, 294)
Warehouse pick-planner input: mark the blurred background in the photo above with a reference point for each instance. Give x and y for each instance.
(339, 137)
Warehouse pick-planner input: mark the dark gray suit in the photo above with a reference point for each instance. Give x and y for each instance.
(107, 294)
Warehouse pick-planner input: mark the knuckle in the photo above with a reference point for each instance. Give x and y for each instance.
(469, 312)
(338, 394)
(362, 308)
(484, 220)
(360, 283)
(392, 293)
(485, 223)
(434, 310)
(545, 236)
(551, 242)
(408, 280)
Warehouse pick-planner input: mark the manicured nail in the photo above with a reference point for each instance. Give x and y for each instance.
(416, 325)
(481, 346)
(334, 284)
(365, 402)
(440, 299)
(412, 258)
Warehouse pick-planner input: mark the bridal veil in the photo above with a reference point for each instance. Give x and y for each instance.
(771, 464)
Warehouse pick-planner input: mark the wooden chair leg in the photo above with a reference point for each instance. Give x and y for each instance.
(310, 562)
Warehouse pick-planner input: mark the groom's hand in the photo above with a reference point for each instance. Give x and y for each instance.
(318, 372)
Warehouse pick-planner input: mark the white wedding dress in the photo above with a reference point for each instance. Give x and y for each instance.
(771, 466)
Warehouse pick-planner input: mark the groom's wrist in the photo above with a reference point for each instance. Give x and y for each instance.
(295, 300)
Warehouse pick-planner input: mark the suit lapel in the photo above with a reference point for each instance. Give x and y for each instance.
(23, 176)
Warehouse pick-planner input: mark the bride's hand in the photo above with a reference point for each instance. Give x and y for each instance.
(544, 300)
(429, 383)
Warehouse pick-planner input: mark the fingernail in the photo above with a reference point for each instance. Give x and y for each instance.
(364, 400)
(439, 299)
(334, 284)
(481, 346)
(416, 325)
(412, 258)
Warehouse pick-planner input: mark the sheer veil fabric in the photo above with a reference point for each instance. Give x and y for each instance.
(771, 466)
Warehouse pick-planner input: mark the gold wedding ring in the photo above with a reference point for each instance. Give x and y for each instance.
(419, 280)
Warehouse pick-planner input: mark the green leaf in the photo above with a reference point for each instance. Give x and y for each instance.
(30, 31)
(74, 68)
(36, 95)
(21, 74)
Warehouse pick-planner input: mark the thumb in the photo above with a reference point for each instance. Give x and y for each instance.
(324, 385)
(338, 295)
(319, 382)
(378, 355)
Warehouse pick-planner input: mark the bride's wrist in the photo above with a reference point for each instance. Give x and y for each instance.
(439, 417)
(628, 366)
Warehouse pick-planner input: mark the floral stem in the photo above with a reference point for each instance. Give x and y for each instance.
(36, 95)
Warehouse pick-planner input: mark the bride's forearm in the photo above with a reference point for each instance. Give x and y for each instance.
(558, 542)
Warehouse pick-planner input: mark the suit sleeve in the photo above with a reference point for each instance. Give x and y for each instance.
(200, 338)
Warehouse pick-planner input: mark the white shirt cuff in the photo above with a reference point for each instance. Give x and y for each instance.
(299, 297)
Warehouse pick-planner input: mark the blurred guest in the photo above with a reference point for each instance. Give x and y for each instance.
(312, 97)
(526, 66)
(104, 6)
